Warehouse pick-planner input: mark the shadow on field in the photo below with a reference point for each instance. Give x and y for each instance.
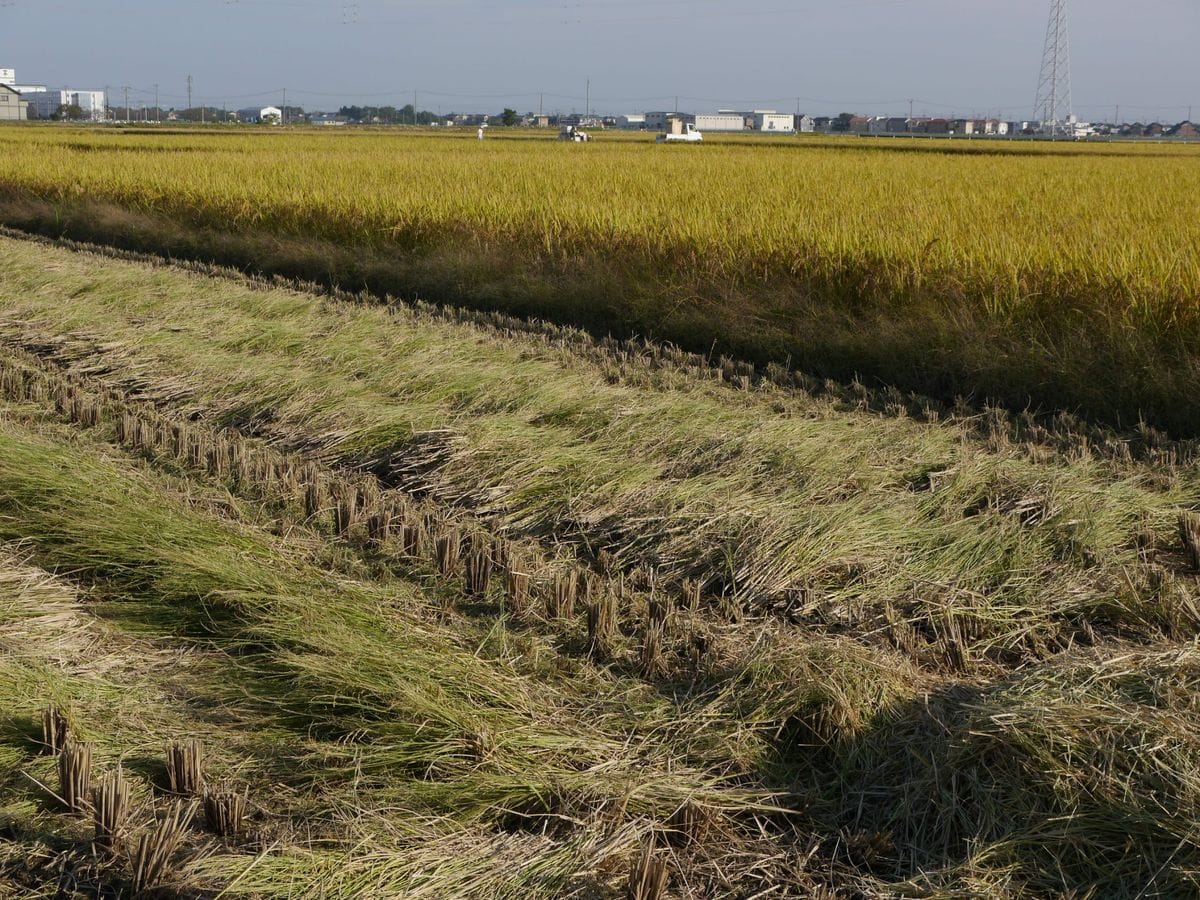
(973, 779)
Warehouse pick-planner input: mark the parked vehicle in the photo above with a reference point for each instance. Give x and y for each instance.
(681, 132)
(571, 133)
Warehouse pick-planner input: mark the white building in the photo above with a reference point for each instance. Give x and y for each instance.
(632, 121)
(43, 104)
(8, 76)
(773, 122)
(267, 115)
(720, 122)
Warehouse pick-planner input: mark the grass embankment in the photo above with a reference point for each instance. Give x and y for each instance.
(991, 684)
(1057, 277)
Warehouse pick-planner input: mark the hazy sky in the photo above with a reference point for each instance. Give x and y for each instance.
(870, 56)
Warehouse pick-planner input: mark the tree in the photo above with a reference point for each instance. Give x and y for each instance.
(509, 117)
(68, 112)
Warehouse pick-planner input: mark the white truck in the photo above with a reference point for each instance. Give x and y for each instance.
(571, 133)
(681, 132)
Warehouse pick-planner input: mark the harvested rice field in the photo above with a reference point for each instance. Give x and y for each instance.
(304, 594)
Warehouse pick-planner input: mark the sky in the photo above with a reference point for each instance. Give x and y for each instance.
(960, 57)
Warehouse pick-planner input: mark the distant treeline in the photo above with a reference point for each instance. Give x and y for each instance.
(389, 115)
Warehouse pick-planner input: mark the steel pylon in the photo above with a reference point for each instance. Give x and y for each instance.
(1053, 105)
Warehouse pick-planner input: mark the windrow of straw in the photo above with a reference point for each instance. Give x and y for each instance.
(367, 517)
(642, 361)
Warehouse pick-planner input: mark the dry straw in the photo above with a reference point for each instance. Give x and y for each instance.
(155, 850)
(648, 876)
(1189, 533)
(652, 660)
(478, 572)
(185, 763)
(75, 775)
(516, 587)
(56, 730)
(110, 810)
(560, 602)
(448, 548)
(225, 811)
(602, 616)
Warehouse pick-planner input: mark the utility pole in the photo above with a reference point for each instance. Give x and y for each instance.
(587, 105)
(189, 93)
(414, 107)
(157, 111)
(541, 104)
(910, 108)
(126, 90)
(1117, 117)
(1053, 106)
(283, 110)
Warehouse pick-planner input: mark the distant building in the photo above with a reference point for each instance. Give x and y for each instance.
(896, 125)
(806, 124)
(658, 121)
(720, 122)
(267, 115)
(44, 104)
(632, 121)
(8, 76)
(1185, 130)
(12, 107)
(774, 123)
(329, 121)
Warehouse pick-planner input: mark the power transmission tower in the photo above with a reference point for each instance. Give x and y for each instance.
(1053, 106)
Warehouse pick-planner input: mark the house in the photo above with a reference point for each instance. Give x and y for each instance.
(12, 107)
(1185, 129)
(632, 121)
(938, 126)
(1154, 129)
(859, 125)
(329, 121)
(823, 124)
(896, 125)
(266, 115)
(806, 124)
(962, 126)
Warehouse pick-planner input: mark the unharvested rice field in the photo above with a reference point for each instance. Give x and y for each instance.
(1046, 277)
(307, 595)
